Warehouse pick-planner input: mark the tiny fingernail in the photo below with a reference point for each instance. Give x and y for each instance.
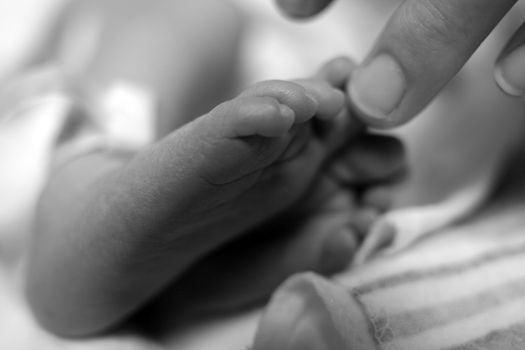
(313, 100)
(286, 111)
(343, 173)
(338, 250)
(298, 8)
(377, 88)
(510, 73)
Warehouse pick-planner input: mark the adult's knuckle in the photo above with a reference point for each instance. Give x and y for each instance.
(437, 24)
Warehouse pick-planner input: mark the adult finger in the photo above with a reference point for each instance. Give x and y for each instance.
(302, 8)
(510, 66)
(422, 47)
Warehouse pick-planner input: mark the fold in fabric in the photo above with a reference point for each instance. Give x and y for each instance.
(464, 289)
(312, 313)
(399, 228)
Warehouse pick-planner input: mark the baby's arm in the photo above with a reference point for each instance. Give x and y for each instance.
(113, 230)
(69, 248)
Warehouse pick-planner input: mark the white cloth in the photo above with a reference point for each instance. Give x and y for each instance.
(461, 289)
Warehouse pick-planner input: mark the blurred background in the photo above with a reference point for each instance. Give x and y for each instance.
(21, 24)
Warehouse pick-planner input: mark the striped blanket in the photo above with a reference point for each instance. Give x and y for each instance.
(460, 289)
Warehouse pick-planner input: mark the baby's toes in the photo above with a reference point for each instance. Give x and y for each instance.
(304, 104)
(253, 116)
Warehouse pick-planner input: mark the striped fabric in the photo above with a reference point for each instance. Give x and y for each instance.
(461, 289)
(475, 304)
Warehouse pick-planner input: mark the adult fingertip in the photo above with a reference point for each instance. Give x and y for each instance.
(377, 89)
(510, 72)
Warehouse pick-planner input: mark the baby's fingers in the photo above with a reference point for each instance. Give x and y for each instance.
(331, 101)
(302, 102)
(327, 86)
(370, 159)
(337, 71)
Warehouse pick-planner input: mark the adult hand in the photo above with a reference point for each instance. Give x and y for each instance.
(424, 44)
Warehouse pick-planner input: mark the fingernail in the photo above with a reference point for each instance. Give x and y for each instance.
(313, 99)
(510, 73)
(338, 251)
(377, 88)
(299, 8)
(286, 112)
(310, 107)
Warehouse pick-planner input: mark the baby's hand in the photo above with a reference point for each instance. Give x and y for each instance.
(323, 229)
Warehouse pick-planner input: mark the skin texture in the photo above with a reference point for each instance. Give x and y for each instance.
(426, 41)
